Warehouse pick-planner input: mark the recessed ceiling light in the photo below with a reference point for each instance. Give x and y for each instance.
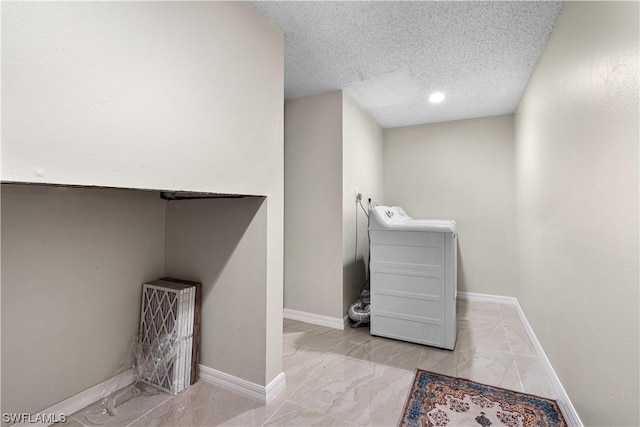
(436, 97)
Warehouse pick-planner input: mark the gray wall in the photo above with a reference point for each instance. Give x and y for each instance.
(465, 171)
(73, 261)
(577, 155)
(221, 243)
(362, 170)
(313, 205)
(332, 148)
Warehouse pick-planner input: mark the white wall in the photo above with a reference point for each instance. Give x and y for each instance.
(362, 170)
(465, 171)
(158, 95)
(209, 241)
(313, 205)
(577, 155)
(73, 261)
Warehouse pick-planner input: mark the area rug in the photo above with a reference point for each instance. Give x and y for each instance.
(440, 400)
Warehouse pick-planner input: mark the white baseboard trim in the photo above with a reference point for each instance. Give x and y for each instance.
(242, 386)
(570, 413)
(314, 319)
(84, 398)
(277, 384)
(495, 299)
(564, 402)
(346, 322)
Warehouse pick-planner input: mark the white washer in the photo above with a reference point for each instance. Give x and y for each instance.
(413, 277)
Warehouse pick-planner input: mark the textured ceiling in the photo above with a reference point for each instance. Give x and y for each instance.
(389, 56)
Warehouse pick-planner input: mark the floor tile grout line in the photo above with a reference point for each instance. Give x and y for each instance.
(358, 359)
(506, 335)
(533, 355)
(78, 420)
(306, 347)
(518, 372)
(275, 412)
(286, 399)
(324, 328)
(151, 410)
(513, 359)
(525, 340)
(343, 421)
(319, 349)
(380, 363)
(483, 349)
(308, 409)
(331, 354)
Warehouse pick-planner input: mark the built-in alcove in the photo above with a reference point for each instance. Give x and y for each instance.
(73, 262)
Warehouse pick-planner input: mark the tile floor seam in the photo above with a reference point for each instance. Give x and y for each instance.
(301, 405)
(372, 366)
(77, 420)
(286, 399)
(420, 358)
(323, 350)
(151, 410)
(276, 410)
(343, 421)
(305, 347)
(518, 372)
(309, 409)
(368, 361)
(506, 334)
(517, 353)
(330, 350)
(484, 349)
(371, 361)
(513, 359)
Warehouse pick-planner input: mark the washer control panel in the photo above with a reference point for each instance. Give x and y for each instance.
(396, 212)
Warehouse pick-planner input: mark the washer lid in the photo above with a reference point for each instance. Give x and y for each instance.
(395, 218)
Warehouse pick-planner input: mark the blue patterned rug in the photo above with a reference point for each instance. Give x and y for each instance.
(440, 400)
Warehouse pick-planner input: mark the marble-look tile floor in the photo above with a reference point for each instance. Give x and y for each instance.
(350, 378)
